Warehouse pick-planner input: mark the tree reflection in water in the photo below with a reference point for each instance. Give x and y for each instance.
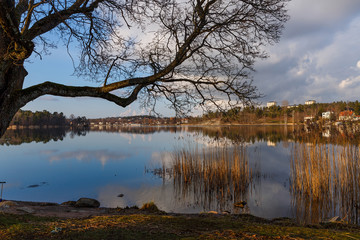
(325, 182)
(324, 172)
(28, 135)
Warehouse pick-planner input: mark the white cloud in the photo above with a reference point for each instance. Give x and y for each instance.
(84, 156)
(312, 17)
(131, 112)
(316, 66)
(350, 82)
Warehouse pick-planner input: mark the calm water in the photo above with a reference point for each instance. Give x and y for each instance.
(57, 166)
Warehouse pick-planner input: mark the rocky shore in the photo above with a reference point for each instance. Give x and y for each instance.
(84, 207)
(84, 219)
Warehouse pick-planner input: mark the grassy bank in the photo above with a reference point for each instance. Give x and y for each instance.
(145, 225)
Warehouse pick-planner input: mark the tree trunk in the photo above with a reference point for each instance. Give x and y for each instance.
(11, 81)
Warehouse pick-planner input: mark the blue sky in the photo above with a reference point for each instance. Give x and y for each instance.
(318, 58)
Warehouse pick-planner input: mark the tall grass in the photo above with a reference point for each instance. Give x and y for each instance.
(325, 181)
(217, 177)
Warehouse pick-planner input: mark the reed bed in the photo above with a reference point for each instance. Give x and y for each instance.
(325, 181)
(217, 177)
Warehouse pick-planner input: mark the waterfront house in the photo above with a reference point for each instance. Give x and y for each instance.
(346, 115)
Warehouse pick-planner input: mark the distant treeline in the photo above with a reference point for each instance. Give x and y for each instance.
(273, 114)
(29, 118)
(45, 118)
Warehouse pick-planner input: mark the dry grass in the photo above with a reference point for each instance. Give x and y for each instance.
(216, 177)
(155, 226)
(325, 181)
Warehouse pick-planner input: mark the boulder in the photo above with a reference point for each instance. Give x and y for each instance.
(7, 204)
(87, 202)
(69, 203)
(26, 209)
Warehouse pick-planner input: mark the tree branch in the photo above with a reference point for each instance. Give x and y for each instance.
(53, 20)
(55, 89)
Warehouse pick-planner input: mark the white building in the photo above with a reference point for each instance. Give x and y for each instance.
(292, 106)
(309, 102)
(270, 104)
(327, 115)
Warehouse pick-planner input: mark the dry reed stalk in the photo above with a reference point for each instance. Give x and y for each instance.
(220, 174)
(325, 181)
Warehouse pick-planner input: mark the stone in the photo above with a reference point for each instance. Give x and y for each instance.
(47, 204)
(7, 204)
(87, 202)
(26, 209)
(120, 195)
(69, 203)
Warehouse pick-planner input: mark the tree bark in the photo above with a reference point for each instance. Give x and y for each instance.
(11, 81)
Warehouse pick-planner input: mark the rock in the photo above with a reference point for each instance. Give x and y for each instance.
(26, 209)
(87, 202)
(69, 203)
(7, 204)
(120, 195)
(46, 204)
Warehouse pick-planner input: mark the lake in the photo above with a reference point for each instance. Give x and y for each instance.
(187, 169)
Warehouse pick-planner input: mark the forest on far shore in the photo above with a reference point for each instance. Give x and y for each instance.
(239, 115)
(45, 118)
(279, 114)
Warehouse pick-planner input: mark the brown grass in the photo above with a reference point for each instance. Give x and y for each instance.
(216, 177)
(325, 181)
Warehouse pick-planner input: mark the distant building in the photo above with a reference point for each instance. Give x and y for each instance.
(292, 106)
(309, 102)
(327, 115)
(346, 115)
(270, 104)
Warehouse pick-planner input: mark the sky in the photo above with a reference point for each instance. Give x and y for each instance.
(317, 58)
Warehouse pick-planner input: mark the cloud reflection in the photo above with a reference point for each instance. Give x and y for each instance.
(87, 155)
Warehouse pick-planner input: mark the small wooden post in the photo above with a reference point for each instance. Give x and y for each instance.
(2, 186)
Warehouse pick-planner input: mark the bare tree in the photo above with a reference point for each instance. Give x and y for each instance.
(195, 52)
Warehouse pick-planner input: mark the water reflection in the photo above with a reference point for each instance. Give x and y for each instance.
(215, 178)
(27, 135)
(325, 182)
(277, 171)
(102, 156)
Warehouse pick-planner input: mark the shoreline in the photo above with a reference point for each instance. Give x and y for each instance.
(27, 220)
(66, 210)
